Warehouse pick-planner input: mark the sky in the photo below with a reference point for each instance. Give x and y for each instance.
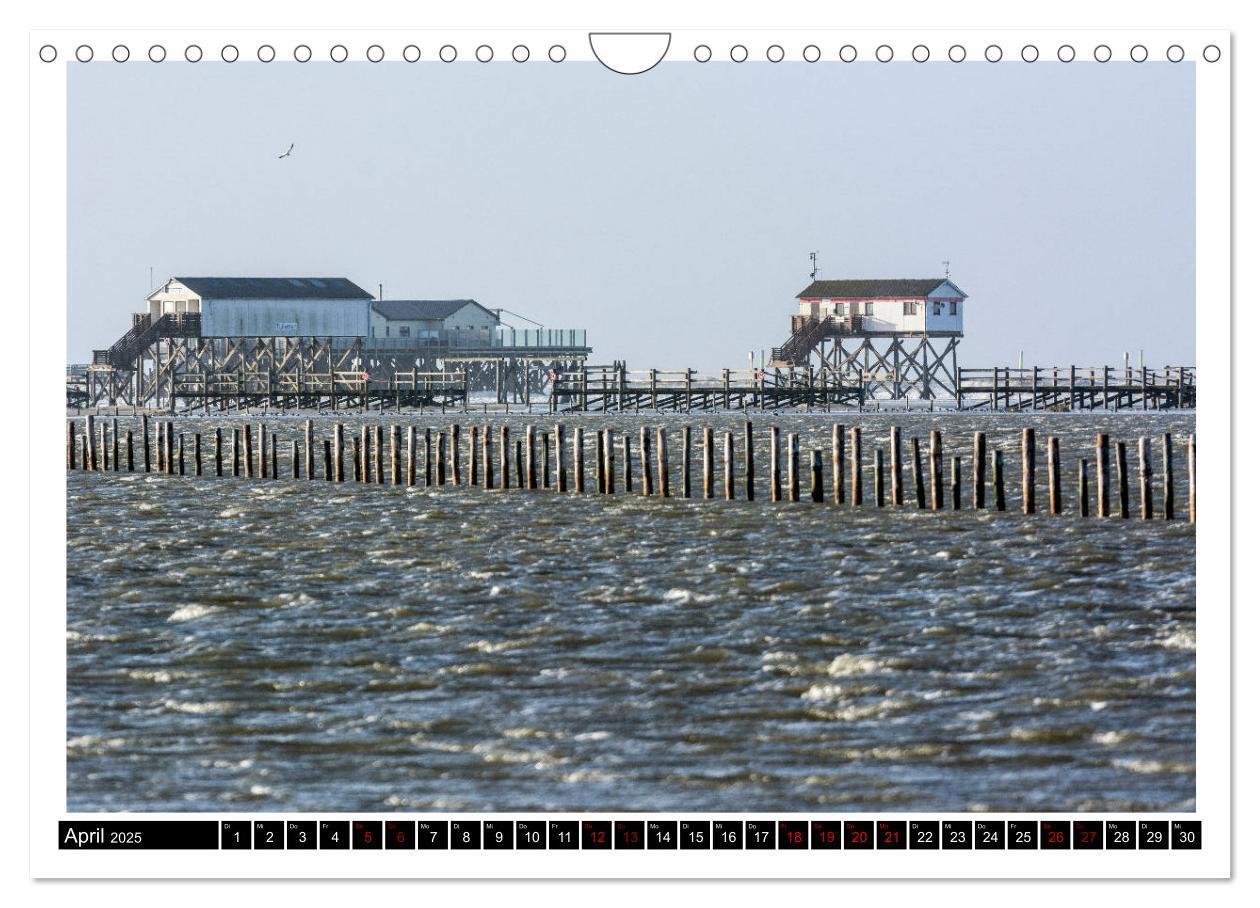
(672, 213)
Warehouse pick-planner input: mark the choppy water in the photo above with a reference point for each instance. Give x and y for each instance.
(279, 645)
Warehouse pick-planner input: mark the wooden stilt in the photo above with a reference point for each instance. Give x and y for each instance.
(441, 459)
(89, 431)
(837, 463)
(456, 475)
(562, 484)
(977, 470)
(378, 453)
(662, 462)
(706, 462)
(1122, 479)
(1056, 485)
(295, 467)
(855, 472)
(520, 464)
(1190, 476)
(218, 452)
(627, 471)
(236, 452)
(610, 468)
(601, 464)
(70, 445)
(920, 495)
(1102, 456)
(1082, 486)
(579, 460)
(686, 461)
(144, 433)
(531, 471)
(339, 444)
(546, 461)
(894, 450)
(131, 454)
(365, 454)
(1144, 477)
(274, 457)
(934, 461)
(357, 459)
(487, 457)
(196, 454)
(999, 482)
(1028, 470)
(473, 479)
(395, 455)
(728, 465)
(877, 474)
(776, 487)
(247, 433)
(504, 455)
(749, 467)
(328, 460)
(793, 471)
(308, 459)
(1168, 476)
(645, 460)
(816, 493)
(955, 482)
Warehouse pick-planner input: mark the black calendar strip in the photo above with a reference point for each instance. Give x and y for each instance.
(631, 835)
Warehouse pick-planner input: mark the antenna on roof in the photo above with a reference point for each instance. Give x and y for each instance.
(946, 264)
(813, 263)
(380, 291)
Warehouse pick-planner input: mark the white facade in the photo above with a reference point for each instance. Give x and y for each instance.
(470, 318)
(941, 311)
(264, 317)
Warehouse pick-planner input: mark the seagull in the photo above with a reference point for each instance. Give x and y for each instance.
(289, 152)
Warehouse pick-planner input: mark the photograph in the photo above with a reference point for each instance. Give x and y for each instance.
(535, 438)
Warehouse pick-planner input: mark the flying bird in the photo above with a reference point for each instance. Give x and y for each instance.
(289, 152)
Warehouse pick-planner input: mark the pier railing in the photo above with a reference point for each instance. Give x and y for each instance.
(1077, 387)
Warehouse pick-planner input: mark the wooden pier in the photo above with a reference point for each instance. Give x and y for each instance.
(614, 388)
(97, 445)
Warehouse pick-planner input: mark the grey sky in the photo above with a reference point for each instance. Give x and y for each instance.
(671, 214)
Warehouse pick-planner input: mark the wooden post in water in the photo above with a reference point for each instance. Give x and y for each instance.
(131, 454)
(955, 482)
(686, 461)
(472, 455)
(159, 433)
(262, 450)
(357, 459)
(274, 458)
(855, 473)
(1168, 477)
(247, 434)
(728, 465)
(877, 470)
(977, 470)
(601, 464)
(1056, 487)
(378, 453)
(113, 436)
(520, 464)
(236, 452)
(1144, 477)
(428, 457)
(610, 469)
(920, 496)
(411, 457)
(395, 455)
(1122, 479)
(579, 460)
(308, 458)
(70, 445)
(1102, 473)
(1082, 486)
(504, 476)
(934, 461)
(793, 470)
(706, 462)
(645, 460)
(487, 457)
(776, 487)
(749, 468)
(999, 483)
(441, 460)
(339, 444)
(181, 453)
(531, 471)
(89, 430)
(627, 471)
(662, 462)
(1028, 470)
(144, 436)
(816, 476)
(102, 445)
(562, 484)
(218, 452)
(546, 461)
(83, 451)
(455, 471)
(170, 446)
(196, 454)
(365, 471)
(295, 467)
(894, 450)
(1190, 465)
(837, 463)
(328, 460)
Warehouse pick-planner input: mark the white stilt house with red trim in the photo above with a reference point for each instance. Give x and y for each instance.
(896, 336)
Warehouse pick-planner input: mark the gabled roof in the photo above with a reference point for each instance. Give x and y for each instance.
(876, 288)
(422, 310)
(275, 288)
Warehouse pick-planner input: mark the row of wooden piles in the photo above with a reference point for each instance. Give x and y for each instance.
(254, 452)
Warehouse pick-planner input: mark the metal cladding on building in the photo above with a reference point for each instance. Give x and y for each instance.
(267, 306)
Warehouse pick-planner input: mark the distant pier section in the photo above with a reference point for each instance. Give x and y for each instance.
(215, 343)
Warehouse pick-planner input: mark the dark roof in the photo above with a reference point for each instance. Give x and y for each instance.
(421, 310)
(876, 288)
(275, 288)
